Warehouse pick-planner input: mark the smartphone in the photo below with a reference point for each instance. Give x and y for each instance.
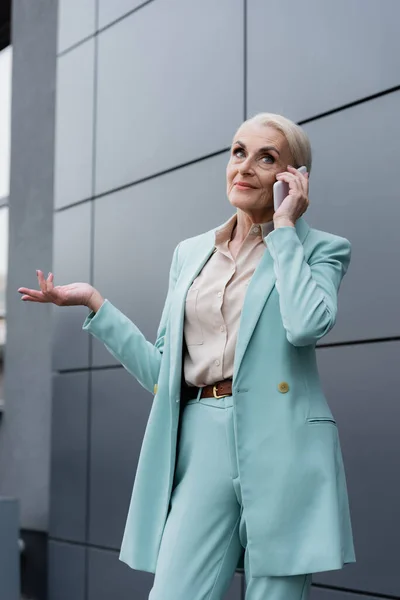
(281, 190)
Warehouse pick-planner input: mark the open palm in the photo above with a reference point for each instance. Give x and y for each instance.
(72, 294)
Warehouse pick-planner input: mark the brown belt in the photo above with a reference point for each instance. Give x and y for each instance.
(220, 389)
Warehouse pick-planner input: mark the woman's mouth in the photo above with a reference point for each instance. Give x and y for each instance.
(244, 186)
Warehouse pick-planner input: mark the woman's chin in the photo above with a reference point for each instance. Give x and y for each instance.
(241, 202)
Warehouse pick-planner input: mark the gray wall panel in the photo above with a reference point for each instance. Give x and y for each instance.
(120, 409)
(338, 52)
(109, 11)
(160, 212)
(76, 20)
(353, 193)
(66, 572)
(69, 457)
(362, 386)
(158, 71)
(111, 578)
(74, 125)
(71, 263)
(235, 589)
(320, 593)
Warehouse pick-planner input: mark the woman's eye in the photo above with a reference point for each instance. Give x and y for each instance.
(268, 159)
(236, 151)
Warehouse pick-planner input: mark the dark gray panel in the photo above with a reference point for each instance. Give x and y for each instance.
(76, 20)
(111, 578)
(335, 56)
(71, 263)
(109, 11)
(120, 409)
(69, 456)
(157, 105)
(9, 554)
(66, 574)
(362, 386)
(136, 231)
(320, 593)
(235, 590)
(74, 125)
(353, 193)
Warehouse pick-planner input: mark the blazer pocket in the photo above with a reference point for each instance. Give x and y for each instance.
(321, 420)
(194, 330)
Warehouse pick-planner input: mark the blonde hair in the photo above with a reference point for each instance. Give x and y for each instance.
(297, 138)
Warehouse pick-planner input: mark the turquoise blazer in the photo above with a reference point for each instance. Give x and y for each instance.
(293, 481)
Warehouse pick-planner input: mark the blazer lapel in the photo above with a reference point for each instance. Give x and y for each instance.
(190, 270)
(259, 289)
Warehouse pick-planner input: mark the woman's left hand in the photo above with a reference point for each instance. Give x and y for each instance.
(296, 203)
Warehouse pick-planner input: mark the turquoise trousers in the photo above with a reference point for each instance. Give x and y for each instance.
(205, 530)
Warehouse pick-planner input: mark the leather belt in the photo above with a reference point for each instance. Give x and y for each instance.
(220, 389)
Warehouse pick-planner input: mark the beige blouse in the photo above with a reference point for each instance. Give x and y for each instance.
(214, 303)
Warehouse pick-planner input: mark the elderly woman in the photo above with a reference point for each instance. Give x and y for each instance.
(241, 460)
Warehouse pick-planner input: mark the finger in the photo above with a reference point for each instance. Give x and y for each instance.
(285, 176)
(35, 294)
(27, 298)
(301, 179)
(50, 285)
(42, 282)
(296, 172)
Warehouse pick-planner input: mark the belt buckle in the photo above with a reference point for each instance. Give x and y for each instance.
(215, 393)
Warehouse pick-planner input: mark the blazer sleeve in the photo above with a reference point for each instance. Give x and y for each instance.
(124, 340)
(308, 291)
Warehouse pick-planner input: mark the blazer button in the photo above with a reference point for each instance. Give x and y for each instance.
(283, 387)
(155, 388)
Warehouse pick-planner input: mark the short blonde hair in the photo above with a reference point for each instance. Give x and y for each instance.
(297, 138)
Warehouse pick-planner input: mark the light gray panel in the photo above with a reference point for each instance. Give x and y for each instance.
(66, 574)
(170, 88)
(69, 457)
(71, 263)
(136, 231)
(306, 58)
(76, 20)
(74, 125)
(120, 409)
(354, 193)
(25, 428)
(111, 578)
(362, 385)
(110, 11)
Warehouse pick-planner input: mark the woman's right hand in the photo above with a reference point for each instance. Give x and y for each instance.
(72, 294)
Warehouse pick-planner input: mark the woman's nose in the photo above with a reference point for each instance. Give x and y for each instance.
(246, 166)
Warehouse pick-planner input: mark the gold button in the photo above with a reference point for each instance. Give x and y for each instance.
(283, 387)
(155, 388)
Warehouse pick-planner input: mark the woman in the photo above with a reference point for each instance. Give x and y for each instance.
(241, 456)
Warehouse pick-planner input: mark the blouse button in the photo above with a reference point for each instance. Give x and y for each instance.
(219, 294)
(217, 362)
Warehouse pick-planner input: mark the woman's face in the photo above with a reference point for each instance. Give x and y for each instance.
(258, 153)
